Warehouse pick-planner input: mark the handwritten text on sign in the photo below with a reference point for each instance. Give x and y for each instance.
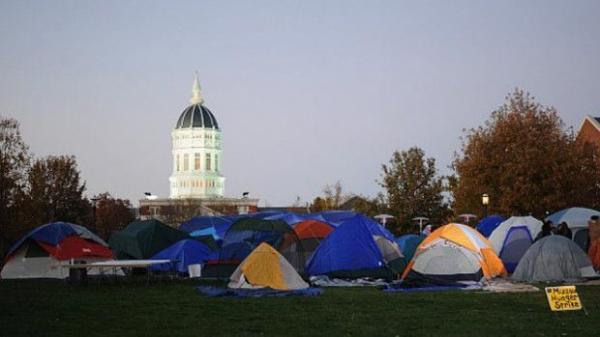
(563, 298)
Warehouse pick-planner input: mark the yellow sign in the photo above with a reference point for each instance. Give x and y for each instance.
(563, 298)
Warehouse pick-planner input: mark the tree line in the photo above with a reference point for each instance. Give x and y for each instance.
(36, 191)
(523, 158)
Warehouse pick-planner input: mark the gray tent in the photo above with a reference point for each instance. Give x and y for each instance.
(553, 258)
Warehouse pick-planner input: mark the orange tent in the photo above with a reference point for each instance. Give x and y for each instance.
(311, 233)
(312, 229)
(455, 252)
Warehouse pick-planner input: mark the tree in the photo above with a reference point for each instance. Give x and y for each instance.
(112, 214)
(333, 197)
(55, 192)
(413, 188)
(14, 162)
(369, 206)
(525, 160)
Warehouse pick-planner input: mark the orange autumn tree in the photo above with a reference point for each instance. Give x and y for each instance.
(525, 159)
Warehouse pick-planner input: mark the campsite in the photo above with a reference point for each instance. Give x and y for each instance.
(256, 279)
(299, 168)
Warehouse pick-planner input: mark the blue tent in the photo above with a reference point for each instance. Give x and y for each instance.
(55, 232)
(351, 251)
(234, 252)
(408, 245)
(182, 254)
(220, 225)
(487, 225)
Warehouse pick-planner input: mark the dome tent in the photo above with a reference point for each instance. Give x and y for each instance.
(359, 247)
(265, 267)
(487, 225)
(577, 219)
(142, 239)
(182, 254)
(553, 258)
(513, 237)
(311, 233)
(454, 252)
(42, 252)
(244, 235)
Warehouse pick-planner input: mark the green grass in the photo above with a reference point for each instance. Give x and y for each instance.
(46, 308)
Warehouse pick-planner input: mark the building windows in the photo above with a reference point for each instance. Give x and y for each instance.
(177, 163)
(196, 161)
(186, 162)
(216, 162)
(208, 162)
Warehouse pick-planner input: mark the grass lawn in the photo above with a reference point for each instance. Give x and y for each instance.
(50, 308)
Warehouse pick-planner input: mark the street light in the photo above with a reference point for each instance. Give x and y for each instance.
(485, 201)
(150, 196)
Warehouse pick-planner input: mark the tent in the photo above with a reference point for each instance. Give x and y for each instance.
(266, 268)
(216, 225)
(487, 225)
(311, 233)
(513, 237)
(143, 239)
(577, 219)
(553, 258)
(454, 252)
(359, 247)
(408, 244)
(245, 234)
(42, 252)
(182, 254)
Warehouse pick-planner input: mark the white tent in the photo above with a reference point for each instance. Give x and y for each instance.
(31, 261)
(513, 237)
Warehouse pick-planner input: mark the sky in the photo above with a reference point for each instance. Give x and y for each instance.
(306, 93)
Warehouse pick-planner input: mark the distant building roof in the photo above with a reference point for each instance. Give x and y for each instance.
(590, 130)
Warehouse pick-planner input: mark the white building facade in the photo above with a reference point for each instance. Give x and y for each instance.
(196, 152)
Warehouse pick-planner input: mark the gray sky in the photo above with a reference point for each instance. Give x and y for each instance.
(306, 92)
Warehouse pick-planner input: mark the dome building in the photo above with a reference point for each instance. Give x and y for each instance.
(196, 152)
(196, 185)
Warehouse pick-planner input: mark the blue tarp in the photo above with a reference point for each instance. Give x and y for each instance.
(349, 247)
(487, 225)
(408, 244)
(52, 233)
(289, 218)
(319, 217)
(205, 232)
(220, 225)
(337, 216)
(264, 292)
(182, 253)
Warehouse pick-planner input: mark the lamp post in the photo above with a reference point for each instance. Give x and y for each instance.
(485, 201)
(94, 203)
